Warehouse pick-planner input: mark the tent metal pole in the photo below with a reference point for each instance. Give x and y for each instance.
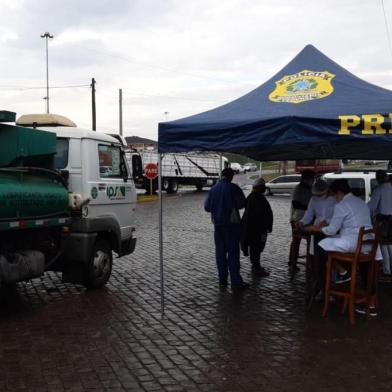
(220, 164)
(160, 235)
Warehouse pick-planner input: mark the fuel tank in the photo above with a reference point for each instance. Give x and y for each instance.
(26, 195)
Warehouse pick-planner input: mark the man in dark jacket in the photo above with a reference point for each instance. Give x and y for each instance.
(223, 202)
(258, 221)
(299, 204)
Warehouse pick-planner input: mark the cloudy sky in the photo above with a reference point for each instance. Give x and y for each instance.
(174, 58)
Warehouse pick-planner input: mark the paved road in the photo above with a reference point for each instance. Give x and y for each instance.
(58, 337)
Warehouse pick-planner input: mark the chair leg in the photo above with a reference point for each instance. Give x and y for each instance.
(344, 306)
(327, 286)
(369, 288)
(351, 303)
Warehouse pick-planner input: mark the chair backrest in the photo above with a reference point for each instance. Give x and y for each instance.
(367, 237)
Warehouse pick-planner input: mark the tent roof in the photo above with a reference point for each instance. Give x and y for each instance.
(297, 114)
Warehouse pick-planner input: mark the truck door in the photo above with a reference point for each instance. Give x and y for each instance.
(112, 193)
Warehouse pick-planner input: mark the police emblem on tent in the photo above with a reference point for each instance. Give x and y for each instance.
(303, 86)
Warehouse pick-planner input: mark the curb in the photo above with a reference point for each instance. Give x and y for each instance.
(146, 198)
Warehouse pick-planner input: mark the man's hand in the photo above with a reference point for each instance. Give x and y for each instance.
(322, 224)
(313, 229)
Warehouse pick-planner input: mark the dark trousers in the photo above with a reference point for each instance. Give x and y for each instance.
(255, 249)
(363, 268)
(227, 251)
(294, 248)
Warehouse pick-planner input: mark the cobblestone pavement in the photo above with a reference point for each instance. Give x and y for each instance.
(58, 337)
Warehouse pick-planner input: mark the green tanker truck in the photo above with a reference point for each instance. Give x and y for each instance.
(58, 210)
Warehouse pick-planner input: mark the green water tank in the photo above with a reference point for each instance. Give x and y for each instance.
(21, 146)
(27, 196)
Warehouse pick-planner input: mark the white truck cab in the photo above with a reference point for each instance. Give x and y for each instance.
(99, 181)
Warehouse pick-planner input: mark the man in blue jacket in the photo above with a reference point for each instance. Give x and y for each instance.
(223, 202)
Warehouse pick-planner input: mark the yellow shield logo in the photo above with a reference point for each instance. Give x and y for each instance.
(303, 86)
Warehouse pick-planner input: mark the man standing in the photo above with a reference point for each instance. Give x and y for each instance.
(223, 202)
(258, 220)
(299, 204)
(380, 206)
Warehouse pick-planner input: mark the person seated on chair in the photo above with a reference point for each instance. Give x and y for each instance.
(350, 214)
(301, 196)
(320, 208)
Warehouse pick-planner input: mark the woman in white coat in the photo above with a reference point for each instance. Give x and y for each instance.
(350, 214)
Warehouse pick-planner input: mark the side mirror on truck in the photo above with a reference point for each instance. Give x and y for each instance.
(137, 166)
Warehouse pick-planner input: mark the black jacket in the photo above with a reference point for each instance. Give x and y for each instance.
(257, 219)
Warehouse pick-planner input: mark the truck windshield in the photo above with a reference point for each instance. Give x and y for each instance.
(61, 157)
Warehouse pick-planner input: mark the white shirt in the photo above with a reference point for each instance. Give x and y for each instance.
(320, 208)
(350, 214)
(381, 200)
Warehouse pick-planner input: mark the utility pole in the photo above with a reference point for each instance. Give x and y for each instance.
(46, 36)
(120, 112)
(93, 104)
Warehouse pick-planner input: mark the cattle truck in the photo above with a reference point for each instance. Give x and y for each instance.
(67, 201)
(192, 169)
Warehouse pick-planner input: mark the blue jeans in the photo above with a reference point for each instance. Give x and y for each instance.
(227, 251)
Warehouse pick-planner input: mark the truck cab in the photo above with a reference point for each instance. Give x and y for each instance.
(102, 203)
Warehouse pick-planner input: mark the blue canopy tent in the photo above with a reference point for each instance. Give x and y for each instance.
(311, 109)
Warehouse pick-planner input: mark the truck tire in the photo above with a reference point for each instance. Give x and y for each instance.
(99, 268)
(165, 184)
(173, 186)
(199, 186)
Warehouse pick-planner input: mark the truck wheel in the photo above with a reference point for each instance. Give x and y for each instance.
(199, 186)
(173, 186)
(100, 265)
(165, 184)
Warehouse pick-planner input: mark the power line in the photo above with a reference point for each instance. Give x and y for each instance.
(386, 27)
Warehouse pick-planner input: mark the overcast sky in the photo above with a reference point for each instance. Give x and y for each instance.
(178, 57)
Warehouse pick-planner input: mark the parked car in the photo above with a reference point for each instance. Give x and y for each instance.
(238, 169)
(248, 167)
(283, 184)
(362, 183)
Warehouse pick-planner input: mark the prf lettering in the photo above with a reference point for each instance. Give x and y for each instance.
(371, 124)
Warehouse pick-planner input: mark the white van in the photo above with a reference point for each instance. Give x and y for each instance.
(362, 183)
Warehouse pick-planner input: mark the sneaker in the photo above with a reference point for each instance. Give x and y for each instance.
(342, 277)
(260, 271)
(239, 287)
(361, 309)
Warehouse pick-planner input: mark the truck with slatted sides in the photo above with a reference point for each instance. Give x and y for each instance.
(190, 169)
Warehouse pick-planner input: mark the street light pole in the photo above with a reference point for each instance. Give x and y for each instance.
(46, 36)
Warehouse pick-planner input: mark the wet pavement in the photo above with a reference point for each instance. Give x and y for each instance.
(59, 337)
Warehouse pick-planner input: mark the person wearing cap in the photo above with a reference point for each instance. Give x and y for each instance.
(257, 222)
(224, 201)
(380, 206)
(320, 208)
(301, 196)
